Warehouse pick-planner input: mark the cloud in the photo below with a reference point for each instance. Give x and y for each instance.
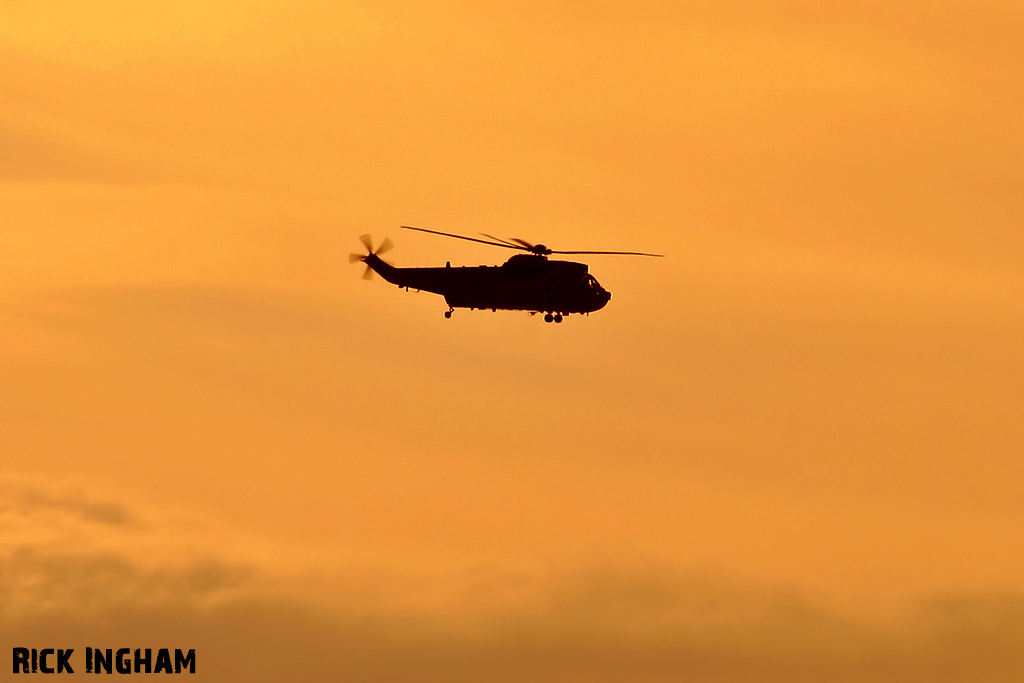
(94, 581)
(64, 552)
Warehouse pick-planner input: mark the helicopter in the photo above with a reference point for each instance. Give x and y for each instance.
(525, 282)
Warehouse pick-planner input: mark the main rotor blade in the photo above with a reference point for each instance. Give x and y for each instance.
(352, 258)
(463, 237)
(385, 246)
(368, 273)
(503, 241)
(523, 245)
(623, 253)
(367, 242)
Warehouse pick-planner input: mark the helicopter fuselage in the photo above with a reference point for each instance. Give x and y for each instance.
(526, 282)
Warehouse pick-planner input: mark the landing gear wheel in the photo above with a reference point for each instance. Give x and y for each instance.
(558, 317)
(447, 314)
(548, 317)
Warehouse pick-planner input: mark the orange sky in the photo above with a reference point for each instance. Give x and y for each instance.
(814, 400)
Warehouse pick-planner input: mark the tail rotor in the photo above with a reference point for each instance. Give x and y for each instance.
(384, 247)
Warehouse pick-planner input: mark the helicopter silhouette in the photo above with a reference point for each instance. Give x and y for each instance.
(526, 282)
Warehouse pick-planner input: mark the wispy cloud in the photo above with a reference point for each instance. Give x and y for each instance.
(98, 585)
